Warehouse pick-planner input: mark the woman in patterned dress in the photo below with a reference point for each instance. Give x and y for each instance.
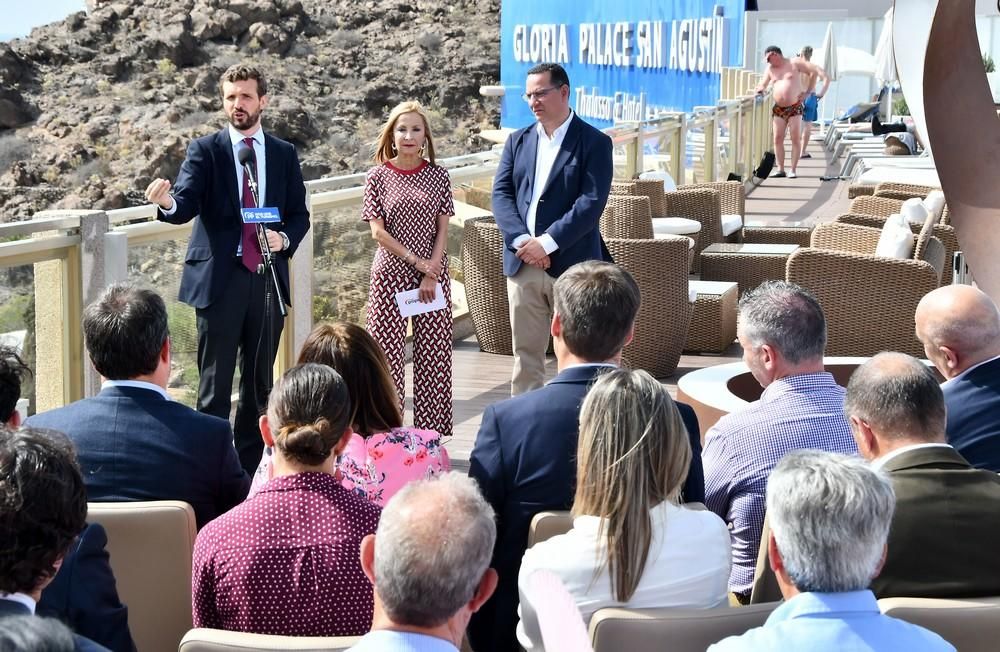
(381, 455)
(407, 204)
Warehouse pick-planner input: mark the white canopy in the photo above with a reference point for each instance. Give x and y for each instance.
(850, 61)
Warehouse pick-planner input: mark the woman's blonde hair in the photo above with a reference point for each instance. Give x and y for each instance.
(384, 145)
(633, 454)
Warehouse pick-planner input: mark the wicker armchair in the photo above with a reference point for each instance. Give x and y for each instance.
(869, 300)
(901, 190)
(943, 232)
(883, 206)
(732, 200)
(485, 285)
(626, 216)
(660, 268)
(703, 205)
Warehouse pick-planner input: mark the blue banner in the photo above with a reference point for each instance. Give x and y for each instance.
(626, 60)
(263, 215)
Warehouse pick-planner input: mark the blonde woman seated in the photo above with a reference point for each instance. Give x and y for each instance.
(632, 459)
(287, 561)
(382, 455)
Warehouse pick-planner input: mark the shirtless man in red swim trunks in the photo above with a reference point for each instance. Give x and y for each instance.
(788, 94)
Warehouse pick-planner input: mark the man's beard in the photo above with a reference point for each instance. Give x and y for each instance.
(248, 121)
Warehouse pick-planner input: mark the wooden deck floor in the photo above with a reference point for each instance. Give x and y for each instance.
(482, 378)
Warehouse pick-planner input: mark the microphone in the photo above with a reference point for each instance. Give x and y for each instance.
(245, 156)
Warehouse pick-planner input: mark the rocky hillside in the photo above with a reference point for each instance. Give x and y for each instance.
(94, 107)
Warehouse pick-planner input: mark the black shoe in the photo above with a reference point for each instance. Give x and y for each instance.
(779, 175)
(806, 155)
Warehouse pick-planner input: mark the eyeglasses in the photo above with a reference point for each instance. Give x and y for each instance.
(537, 95)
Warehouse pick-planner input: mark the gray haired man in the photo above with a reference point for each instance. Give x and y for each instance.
(830, 517)
(940, 545)
(429, 564)
(782, 330)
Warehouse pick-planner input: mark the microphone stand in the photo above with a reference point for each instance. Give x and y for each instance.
(272, 290)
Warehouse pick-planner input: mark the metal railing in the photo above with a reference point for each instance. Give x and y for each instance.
(60, 261)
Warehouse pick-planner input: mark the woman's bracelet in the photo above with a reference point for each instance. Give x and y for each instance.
(409, 258)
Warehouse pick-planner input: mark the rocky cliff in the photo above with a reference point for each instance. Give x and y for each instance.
(94, 107)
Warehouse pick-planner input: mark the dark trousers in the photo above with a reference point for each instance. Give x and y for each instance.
(232, 328)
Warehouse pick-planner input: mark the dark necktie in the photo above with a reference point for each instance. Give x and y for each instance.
(251, 249)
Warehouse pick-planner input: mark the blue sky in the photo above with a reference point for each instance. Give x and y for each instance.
(20, 16)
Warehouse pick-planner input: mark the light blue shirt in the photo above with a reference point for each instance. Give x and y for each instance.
(384, 640)
(841, 622)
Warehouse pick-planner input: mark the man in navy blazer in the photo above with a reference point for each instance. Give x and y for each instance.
(525, 453)
(43, 507)
(959, 326)
(132, 440)
(549, 223)
(219, 281)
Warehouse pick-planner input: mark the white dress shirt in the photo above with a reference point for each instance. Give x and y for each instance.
(880, 462)
(141, 384)
(545, 158)
(688, 566)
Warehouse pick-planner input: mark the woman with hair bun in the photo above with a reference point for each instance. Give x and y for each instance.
(286, 561)
(382, 454)
(632, 543)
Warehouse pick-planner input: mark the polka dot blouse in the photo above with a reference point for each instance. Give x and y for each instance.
(287, 561)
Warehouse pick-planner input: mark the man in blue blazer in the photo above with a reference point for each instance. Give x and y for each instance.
(525, 453)
(959, 326)
(132, 440)
(43, 507)
(220, 278)
(549, 223)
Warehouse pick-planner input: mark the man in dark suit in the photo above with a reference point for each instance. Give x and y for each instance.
(133, 441)
(942, 543)
(959, 326)
(549, 223)
(525, 453)
(43, 507)
(221, 279)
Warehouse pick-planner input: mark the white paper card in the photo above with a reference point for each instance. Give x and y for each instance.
(409, 302)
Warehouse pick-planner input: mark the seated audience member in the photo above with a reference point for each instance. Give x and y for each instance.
(829, 517)
(83, 591)
(28, 633)
(133, 441)
(12, 371)
(947, 519)
(429, 563)
(381, 455)
(43, 507)
(523, 456)
(286, 561)
(959, 326)
(782, 330)
(632, 543)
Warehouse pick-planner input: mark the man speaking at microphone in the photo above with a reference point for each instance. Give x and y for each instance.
(221, 278)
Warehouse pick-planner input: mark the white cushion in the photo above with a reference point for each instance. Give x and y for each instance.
(675, 225)
(731, 224)
(914, 211)
(896, 240)
(692, 295)
(660, 175)
(934, 203)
